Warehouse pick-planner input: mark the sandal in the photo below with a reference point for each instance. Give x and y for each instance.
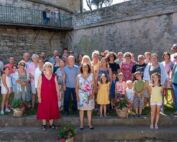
(52, 126)
(91, 127)
(44, 127)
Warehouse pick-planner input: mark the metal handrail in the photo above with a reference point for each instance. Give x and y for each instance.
(32, 17)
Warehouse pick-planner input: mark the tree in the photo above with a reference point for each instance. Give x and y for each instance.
(89, 4)
(98, 3)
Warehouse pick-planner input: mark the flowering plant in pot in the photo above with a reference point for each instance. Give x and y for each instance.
(66, 133)
(121, 107)
(18, 107)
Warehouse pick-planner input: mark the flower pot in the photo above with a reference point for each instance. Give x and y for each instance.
(18, 112)
(122, 113)
(67, 140)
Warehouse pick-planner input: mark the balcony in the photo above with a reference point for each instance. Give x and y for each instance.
(24, 17)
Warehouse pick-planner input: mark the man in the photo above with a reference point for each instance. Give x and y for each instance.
(11, 64)
(174, 50)
(52, 59)
(119, 58)
(26, 58)
(140, 66)
(71, 71)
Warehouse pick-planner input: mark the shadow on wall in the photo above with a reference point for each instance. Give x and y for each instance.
(88, 44)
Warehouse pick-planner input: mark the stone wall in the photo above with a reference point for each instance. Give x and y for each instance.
(137, 26)
(16, 41)
(70, 5)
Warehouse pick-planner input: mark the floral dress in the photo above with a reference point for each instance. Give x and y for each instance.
(21, 92)
(85, 90)
(126, 69)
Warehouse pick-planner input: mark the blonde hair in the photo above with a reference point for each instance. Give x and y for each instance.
(86, 57)
(47, 64)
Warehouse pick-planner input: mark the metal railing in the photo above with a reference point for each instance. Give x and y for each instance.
(36, 18)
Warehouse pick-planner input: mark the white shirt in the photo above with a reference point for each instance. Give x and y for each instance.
(37, 73)
(129, 94)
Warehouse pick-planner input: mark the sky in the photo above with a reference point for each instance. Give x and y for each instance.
(114, 2)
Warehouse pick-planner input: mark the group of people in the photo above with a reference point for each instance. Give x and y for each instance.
(52, 16)
(60, 81)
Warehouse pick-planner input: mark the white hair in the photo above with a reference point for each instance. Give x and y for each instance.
(95, 52)
(34, 56)
(128, 81)
(48, 64)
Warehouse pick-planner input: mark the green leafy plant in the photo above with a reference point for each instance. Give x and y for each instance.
(67, 131)
(121, 103)
(16, 103)
(19, 104)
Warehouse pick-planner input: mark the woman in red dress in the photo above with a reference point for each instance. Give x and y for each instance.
(48, 96)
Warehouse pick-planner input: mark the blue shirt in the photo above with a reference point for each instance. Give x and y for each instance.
(71, 75)
(174, 74)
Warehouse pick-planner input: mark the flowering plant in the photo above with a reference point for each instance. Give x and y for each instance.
(121, 103)
(67, 131)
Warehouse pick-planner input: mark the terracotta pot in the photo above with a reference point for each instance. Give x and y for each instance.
(122, 113)
(18, 112)
(70, 140)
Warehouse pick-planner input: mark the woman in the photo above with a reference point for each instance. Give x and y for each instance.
(31, 70)
(126, 66)
(104, 69)
(21, 77)
(57, 63)
(61, 79)
(168, 65)
(174, 81)
(85, 94)
(111, 57)
(48, 96)
(153, 67)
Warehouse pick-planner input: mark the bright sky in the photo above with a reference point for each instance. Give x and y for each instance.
(114, 2)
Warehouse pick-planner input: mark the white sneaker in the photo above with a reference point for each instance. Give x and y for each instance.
(7, 110)
(2, 112)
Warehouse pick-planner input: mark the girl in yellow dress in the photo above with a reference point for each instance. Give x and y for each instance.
(156, 100)
(103, 94)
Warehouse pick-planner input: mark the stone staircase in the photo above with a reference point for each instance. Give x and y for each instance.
(111, 129)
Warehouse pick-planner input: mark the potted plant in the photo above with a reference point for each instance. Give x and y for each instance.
(18, 108)
(66, 133)
(121, 106)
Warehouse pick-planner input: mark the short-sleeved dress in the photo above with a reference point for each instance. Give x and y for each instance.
(156, 95)
(85, 89)
(103, 94)
(48, 108)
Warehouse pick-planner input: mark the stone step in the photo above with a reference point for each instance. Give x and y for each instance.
(122, 133)
(99, 134)
(109, 121)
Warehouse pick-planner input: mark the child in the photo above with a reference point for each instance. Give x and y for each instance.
(120, 86)
(156, 99)
(5, 90)
(103, 94)
(112, 88)
(129, 93)
(139, 87)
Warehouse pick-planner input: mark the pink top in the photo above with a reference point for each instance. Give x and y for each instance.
(31, 70)
(120, 87)
(126, 69)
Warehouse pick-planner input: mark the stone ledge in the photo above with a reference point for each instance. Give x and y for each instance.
(9, 121)
(142, 15)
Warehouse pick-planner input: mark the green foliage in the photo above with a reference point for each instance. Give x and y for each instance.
(16, 103)
(66, 131)
(121, 103)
